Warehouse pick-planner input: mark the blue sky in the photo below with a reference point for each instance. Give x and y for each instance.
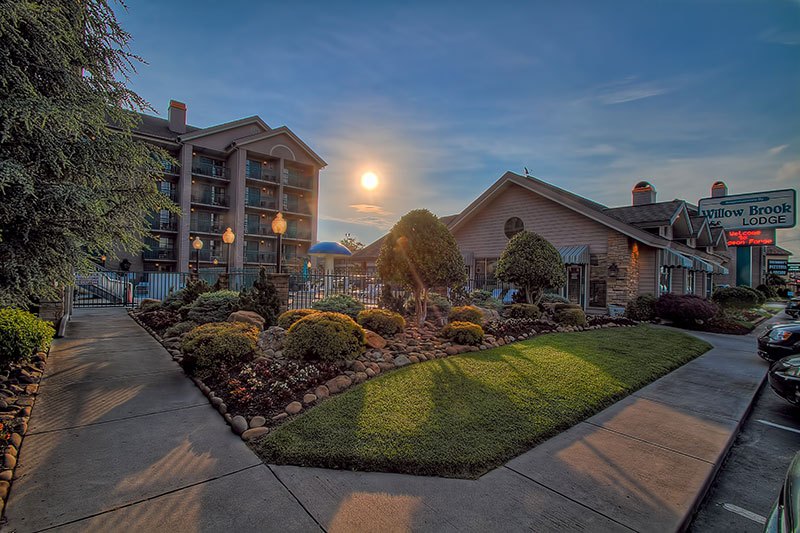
(441, 98)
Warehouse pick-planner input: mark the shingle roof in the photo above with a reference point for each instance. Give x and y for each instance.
(645, 214)
(776, 250)
(158, 127)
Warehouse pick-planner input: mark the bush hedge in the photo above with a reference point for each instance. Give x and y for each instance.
(180, 328)
(483, 298)
(463, 333)
(324, 336)
(287, 318)
(261, 298)
(685, 309)
(553, 298)
(570, 316)
(381, 321)
(339, 303)
(528, 311)
(466, 313)
(160, 319)
(735, 298)
(641, 308)
(212, 307)
(209, 347)
(760, 298)
(21, 335)
(187, 295)
(768, 291)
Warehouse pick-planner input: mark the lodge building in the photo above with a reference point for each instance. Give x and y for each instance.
(611, 255)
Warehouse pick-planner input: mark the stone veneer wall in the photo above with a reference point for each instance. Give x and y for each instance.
(625, 254)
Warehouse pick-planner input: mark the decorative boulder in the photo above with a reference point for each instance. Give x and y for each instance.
(248, 317)
(374, 340)
(338, 384)
(272, 339)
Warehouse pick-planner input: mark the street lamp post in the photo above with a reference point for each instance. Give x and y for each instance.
(228, 237)
(197, 244)
(278, 228)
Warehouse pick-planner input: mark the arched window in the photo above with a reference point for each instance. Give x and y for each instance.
(513, 226)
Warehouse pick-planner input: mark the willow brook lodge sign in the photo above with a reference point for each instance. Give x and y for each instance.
(751, 211)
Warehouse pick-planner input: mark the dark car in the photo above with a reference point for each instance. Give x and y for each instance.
(793, 308)
(784, 516)
(784, 378)
(780, 341)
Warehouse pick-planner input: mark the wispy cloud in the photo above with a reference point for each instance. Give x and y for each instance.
(775, 150)
(628, 89)
(790, 172)
(779, 36)
(371, 209)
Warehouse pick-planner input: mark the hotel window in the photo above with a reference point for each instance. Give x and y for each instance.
(709, 285)
(597, 293)
(690, 282)
(665, 280)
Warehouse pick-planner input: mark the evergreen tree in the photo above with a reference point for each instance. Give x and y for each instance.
(262, 298)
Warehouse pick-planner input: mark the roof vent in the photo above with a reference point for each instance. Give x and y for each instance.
(644, 193)
(719, 189)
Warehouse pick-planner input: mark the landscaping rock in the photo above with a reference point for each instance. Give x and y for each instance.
(253, 433)
(6, 475)
(401, 361)
(257, 422)
(248, 317)
(280, 416)
(358, 366)
(370, 373)
(322, 392)
(309, 398)
(360, 377)
(413, 358)
(239, 424)
(374, 340)
(338, 384)
(294, 408)
(9, 461)
(272, 339)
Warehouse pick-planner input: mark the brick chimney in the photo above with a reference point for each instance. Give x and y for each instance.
(644, 193)
(177, 116)
(719, 189)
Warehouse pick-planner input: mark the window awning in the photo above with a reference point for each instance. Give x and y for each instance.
(719, 269)
(670, 258)
(700, 264)
(575, 255)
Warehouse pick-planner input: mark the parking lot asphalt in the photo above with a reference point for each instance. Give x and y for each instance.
(749, 482)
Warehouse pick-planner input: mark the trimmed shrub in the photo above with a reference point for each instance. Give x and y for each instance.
(438, 305)
(160, 319)
(685, 309)
(553, 298)
(570, 316)
(483, 298)
(466, 313)
(212, 307)
(291, 316)
(187, 295)
(528, 311)
(641, 308)
(324, 336)
(381, 321)
(261, 298)
(760, 298)
(149, 305)
(339, 303)
(211, 346)
(735, 298)
(180, 328)
(463, 333)
(767, 290)
(21, 334)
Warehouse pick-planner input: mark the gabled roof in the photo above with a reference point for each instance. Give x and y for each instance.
(776, 250)
(702, 231)
(156, 127)
(282, 130)
(659, 213)
(197, 133)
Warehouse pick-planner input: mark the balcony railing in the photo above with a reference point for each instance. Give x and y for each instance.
(172, 168)
(296, 206)
(208, 255)
(255, 229)
(297, 233)
(293, 179)
(205, 227)
(172, 194)
(212, 171)
(257, 173)
(159, 253)
(207, 198)
(256, 256)
(165, 225)
(259, 201)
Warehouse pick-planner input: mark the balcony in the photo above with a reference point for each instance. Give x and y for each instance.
(293, 179)
(211, 171)
(206, 227)
(208, 255)
(173, 169)
(165, 225)
(267, 202)
(260, 174)
(207, 198)
(159, 254)
(298, 233)
(256, 256)
(256, 229)
(293, 205)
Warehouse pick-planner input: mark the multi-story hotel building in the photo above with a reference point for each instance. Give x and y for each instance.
(239, 175)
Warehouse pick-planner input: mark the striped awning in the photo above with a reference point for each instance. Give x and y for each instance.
(670, 258)
(577, 254)
(719, 269)
(700, 264)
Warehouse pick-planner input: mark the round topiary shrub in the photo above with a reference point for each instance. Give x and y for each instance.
(339, 303)
(463, 333)
(553, 298)
(21, 335)
(324, 336)
(685, 309)
(212, 307)
(641, 308)
(180, 328)
(734, 298)
(528, 311)
(466, 313)
(381, 321)
(287, 318)
(571, 315)
(211, 346)
(760, 298)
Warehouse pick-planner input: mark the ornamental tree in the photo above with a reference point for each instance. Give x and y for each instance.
(420, 253)
(74, 184)
(531, 262)
(262, 298)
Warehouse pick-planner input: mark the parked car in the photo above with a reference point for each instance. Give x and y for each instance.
(784, 378)
(785, 514)
(793, 308)
(780, 341)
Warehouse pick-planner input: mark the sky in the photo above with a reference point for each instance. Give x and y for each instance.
(439, 99)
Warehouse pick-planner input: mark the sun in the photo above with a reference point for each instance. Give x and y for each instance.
(369, 180)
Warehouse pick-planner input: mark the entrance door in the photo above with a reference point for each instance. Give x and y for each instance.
(575, 284)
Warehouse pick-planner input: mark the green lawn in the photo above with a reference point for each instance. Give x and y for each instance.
(464, 415)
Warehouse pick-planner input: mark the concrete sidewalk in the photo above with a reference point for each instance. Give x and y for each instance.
(120, 439)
